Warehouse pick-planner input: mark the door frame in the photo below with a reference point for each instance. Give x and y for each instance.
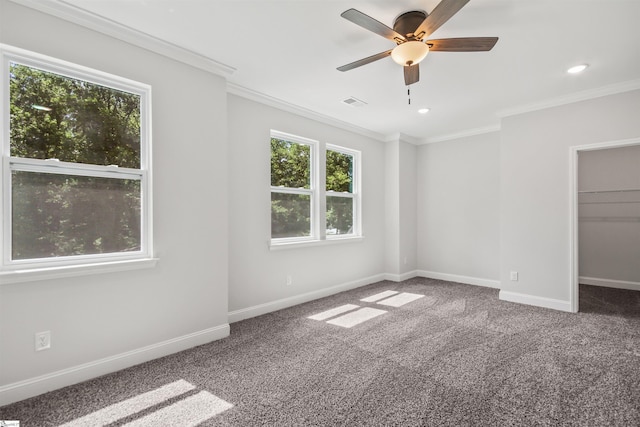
(574, 277)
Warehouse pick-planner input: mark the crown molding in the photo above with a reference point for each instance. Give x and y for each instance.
(585, 95)
(548, 103)
(262, 98)
(64, 10)
(402, 137)
(85, 18)
(461, 134)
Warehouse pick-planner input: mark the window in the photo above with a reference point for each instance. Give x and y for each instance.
(309, 204)
(293, 184)
(341, 198)
(75, 170)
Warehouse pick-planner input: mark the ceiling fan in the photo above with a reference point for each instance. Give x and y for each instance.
(410, 31)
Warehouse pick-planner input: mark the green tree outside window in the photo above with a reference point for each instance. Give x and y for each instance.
(71, 120)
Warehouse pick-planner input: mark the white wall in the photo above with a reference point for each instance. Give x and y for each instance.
(408, 193)
(100, 316)
(458, 209)
(609, 232)
(400, 209)
(392, 170)
(257, 275)
(534, 188)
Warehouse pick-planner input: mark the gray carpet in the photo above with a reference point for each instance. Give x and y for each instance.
(456, 357)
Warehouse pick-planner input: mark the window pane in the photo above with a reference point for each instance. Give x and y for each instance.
(58, 117)
(290, 215)
(62, 215)
(339, 172)
(339, 215)
(290, 164)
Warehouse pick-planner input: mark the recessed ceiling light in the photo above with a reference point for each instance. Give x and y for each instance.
(577, 69)
(423, 110)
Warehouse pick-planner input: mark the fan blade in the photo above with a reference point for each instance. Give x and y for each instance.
(462, 44)
(441, 14)
(365, 61)
(367, 22)
(411, 74)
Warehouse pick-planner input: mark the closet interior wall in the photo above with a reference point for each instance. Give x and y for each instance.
(609, 217)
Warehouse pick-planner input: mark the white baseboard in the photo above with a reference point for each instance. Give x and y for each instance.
(34, 386)
(401, 277)
(269, 307)
(609, 283)
(488, 283)
(554, 304)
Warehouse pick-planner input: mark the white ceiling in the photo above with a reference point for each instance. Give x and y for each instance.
(289, 50)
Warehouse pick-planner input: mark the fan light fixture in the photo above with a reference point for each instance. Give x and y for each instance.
(410, 53)
(410, 33)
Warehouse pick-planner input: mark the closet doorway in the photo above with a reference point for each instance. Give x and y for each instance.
(606, 216)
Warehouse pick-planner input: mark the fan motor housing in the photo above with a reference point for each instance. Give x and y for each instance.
(407, 23)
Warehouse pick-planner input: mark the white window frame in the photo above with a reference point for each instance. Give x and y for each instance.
(319, 195)
(40, 268)
(354, 195)
(312, 191)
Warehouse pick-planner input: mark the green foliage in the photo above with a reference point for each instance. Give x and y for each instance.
(291, 168)
(339, 215)
(339, 171)
(339, 179)
(83, 122)
(290, 164)
(290, 215)
(52, 116)
(64, 215)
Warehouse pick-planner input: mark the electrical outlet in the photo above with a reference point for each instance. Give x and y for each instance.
(289, 280)
(43, 340)
(514, 276)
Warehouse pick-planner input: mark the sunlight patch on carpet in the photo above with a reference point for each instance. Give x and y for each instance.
(333, 312)
(379, 296)
(133, 405)
(400, 299)
(356, 317)
(203, 404)
(188, 412)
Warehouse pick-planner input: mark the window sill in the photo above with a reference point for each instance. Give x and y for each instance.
(314, 243)
(34, 274)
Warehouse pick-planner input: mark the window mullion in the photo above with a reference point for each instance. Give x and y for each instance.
(67, 168)
(289, 190)
(339, 194)
(357, 193)
(321, 200)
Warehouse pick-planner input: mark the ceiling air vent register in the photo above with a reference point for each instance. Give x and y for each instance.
(354, 102)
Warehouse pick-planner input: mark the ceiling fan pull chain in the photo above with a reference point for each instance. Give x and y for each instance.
(409, 94)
